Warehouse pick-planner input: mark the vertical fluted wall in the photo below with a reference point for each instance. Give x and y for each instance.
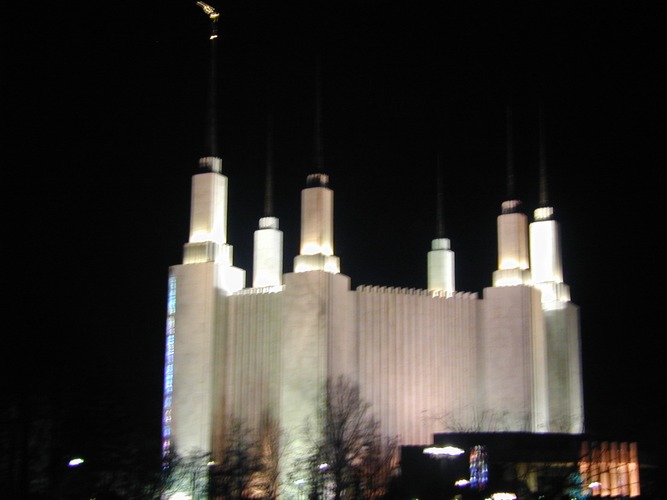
(248, 361)
(512, 361)
(417, 360)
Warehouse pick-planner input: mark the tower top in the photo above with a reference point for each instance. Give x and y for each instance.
(268, 190)
(510, 153)
(211, 132)
(544, 200)
(440, 217)
(318, 148)
(511, 204)
(317, 180)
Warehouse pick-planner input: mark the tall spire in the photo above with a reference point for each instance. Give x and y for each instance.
(512, 229)
(268, 190)
(440, 218)
(545, 252)
(510, 154)
(544, 201)
(440, 259)
(211, 147)
(318, 153)
(268, 239)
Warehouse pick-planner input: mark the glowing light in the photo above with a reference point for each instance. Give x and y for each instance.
(299, 482)
(200, 236)
(312, 249)
(75, 462)
(180, 496)
(503, 496)
(509, 263)
(451, 451)
(479, 469)
(210, 11)
(461, 483)
(323, 467)
(169, 367)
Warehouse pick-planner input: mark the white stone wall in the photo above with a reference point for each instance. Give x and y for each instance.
(564, 365)
(512, 361)
(247, 380)
(195, 314)
(417, 360)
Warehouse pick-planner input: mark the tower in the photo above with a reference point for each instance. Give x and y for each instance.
(206, 273)
(440, 265)
(560, 315)
(268, 239)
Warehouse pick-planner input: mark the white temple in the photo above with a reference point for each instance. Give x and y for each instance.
(427, 360)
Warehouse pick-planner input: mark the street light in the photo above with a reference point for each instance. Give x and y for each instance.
(446, 451)
(75, 462)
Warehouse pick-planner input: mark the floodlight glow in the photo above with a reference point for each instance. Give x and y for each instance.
(75, 462)
(200, 236)
(461, 483)
(510, 263)
(503, 496)
(595, 485)
(323, 467)
(314, 248)
(180, 496)
(451, 451)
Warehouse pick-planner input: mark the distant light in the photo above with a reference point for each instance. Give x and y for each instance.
(180, 496)
(213, 37)
(299, 482)
(595, 485)
(75, 462)
(451, 451)
(323, 467)
(462, 482)
(211, 463)
(503, 496)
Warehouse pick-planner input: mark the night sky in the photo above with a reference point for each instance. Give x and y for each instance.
(104, 111)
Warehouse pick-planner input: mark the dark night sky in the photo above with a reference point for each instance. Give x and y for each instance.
(104, 108)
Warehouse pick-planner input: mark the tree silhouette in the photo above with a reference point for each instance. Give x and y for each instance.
(348, 457)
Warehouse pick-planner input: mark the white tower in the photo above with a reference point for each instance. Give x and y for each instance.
(440, 260)
(565, 391)
(512, 230)
(268, 239)
(317, 227)
(193, 307)
(194, 287)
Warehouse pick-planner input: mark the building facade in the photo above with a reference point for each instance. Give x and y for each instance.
(427, 360)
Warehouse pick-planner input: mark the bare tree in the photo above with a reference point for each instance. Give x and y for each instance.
(348, 457)
(187, 474)
(232, 476)
(265, 482)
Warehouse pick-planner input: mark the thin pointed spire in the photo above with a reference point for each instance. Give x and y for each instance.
(211, 146)
(510, 154)
(440, 219)
(318, 153)
(268, 190)
(544, 200)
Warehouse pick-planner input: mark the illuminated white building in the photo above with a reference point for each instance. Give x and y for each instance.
(428, 361)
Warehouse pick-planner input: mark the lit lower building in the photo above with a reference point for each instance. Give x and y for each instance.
(427, 360)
